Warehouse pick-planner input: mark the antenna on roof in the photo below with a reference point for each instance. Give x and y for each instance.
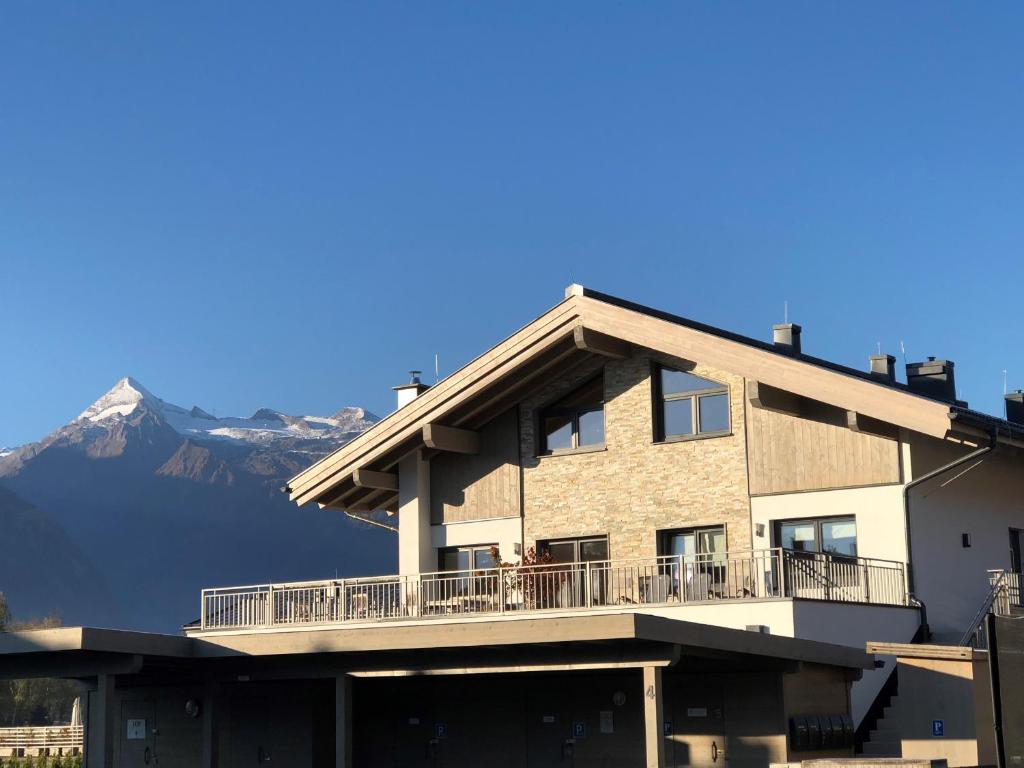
(785, 311)
(879, 345)
(903, 351)
(1005, 390)
(437, 367)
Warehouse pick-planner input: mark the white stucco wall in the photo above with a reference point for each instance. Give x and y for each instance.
(506, 532)
(984, 501)
(878, 511)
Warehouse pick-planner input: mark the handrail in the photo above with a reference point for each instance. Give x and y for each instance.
(772, 573)
(709, 557)
(42, 736)
(997, 589)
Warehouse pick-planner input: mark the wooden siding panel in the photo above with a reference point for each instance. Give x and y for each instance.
(481, 486)
(790, 453)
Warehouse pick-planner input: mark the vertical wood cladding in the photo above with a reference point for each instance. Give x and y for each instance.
(790, 453)
(481, 486)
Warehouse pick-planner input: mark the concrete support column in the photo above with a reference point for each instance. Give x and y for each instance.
(654, 718)
(415, 550)
(343, 722)
(211, 731)
(101, 726)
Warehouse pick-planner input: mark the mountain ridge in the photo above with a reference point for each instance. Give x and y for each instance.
(164, 501)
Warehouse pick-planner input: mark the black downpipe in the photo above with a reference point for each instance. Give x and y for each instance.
(994, 685)
(911, 584)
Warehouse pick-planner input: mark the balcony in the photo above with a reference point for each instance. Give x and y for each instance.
(769, 574)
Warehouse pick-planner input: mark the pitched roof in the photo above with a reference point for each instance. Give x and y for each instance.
(587, 322)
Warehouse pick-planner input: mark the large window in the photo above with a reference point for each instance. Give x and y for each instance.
(693, 564)
(575, 421)
(688, 406)
(831, 535)
(567, 582)
(581, 550)
(475, 558)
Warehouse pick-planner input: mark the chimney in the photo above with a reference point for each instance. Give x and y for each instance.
(1015, 407)
(932, 378)
(409, 392)
(787, 337)
(883, 368)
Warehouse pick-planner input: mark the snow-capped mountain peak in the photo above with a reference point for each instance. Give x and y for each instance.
(265, 425)
(122, 399)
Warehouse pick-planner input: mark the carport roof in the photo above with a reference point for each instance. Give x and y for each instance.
(85, 651)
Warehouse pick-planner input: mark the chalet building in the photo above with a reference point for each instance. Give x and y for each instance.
(623, 536)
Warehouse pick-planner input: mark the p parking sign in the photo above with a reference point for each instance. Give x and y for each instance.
(938, 728)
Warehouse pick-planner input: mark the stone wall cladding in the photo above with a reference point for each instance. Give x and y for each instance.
(635, 487)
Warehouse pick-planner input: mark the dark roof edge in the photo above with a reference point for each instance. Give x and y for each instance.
(976, 418)
(738, 337)
(987, 422)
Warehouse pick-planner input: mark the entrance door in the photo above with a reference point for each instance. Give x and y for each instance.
(273, 730)
(698, 723)
(138, 733)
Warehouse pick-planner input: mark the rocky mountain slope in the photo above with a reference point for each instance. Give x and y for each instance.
(164, 500)
(43, 572)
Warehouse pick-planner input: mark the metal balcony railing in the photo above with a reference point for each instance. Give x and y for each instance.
(638, 582)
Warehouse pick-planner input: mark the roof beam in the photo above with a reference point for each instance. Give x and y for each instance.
(599, 343)
(370, 502)
(368, 478)
(858, 422)
(554, 362)
(338, 497)
(451, 439)
(771, 399)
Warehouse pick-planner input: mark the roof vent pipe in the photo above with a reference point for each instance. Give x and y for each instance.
(932, 378)
(406, 393)
(1015, 407)
(883, 368)
(786, 337)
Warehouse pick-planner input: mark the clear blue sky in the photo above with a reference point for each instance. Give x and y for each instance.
(289, 205)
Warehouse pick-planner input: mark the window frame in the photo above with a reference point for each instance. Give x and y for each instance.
(659, 399)
(573, 414)
(544, 545)
(817, 521)
(471, 548)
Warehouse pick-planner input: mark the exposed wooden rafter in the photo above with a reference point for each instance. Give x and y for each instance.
(451, 439)
(600, 344)
(858, 422)
(771, 399)
(368, 478)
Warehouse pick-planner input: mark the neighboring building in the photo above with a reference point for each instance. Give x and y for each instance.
(700, 520)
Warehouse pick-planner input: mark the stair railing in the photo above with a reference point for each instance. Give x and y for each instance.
(997, 598)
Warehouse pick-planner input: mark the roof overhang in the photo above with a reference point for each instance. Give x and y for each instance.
(522, 644)
(583, 325)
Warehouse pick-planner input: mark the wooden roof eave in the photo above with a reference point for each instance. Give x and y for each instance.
(406, 423)
(781, 371)
(458, 399)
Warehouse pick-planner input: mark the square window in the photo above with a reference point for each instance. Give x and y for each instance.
(714, 413)
(679, 417)
(558, 433)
